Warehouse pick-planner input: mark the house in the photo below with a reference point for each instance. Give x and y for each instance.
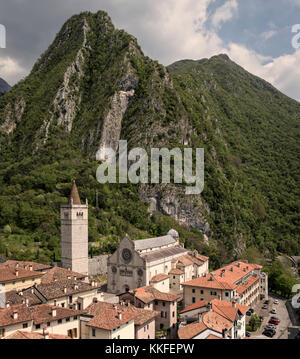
(37, 267)
(240, 281)
(108, 323)
(57, 320)
(233, 312)
(161, 282)
(17, 278)
(152, 299)
(144, 320)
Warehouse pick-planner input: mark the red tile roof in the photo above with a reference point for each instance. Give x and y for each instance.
(7, 315)
(194, 306)
(247, 283)
(158, 278)
(142, 315)
(148, 294)
(191, 330)
(8, 273)
(19, 334)
(109, 319)
(27, 264)
(209, 281)
(58, 273)
(43, 313)
(176, 271)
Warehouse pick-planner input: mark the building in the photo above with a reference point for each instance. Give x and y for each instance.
(238, 281)
(152, 299)
(37, 267)
(235, 313)
(108, 323)
(144, 320)
(74, 234)
(137, 263)
(14, 277)
(217, 318)
(56, 320)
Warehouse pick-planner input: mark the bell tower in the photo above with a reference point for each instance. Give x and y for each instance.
(74, 233)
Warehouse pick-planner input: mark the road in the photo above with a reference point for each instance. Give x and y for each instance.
(285, 329)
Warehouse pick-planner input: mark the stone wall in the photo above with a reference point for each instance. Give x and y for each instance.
(98, 265)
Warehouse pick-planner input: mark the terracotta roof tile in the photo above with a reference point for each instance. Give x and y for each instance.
(148, 294)
(109, 319)
(23, 314)
(142, 315)
(159, 278)
(43, 313)
(191, 330)
(8, 273)
(247, 283)
(27, 264)
(176, 271)
(58, 273)
(34, 335)
(210, 281)
(194, 306)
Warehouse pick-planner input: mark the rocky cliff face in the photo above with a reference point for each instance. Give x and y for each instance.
(94, 86)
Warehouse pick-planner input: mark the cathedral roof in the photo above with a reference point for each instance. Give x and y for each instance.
(74, 195)
(149, 243)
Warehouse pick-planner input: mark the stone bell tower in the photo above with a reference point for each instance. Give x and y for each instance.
(74, 233)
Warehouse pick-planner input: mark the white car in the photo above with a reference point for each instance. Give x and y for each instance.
(276, 301)
(273, 311)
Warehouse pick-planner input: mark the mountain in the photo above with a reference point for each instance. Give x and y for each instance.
(94, 86)
(4, 87)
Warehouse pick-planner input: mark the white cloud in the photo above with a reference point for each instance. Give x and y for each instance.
(268, 34)
(10, 70)
(224, 13)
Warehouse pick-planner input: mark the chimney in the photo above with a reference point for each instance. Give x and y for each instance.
(239, 264)
(45, 334)
(234, 303)
(30, 267)
(53, 312)
(199, 317)
(76, 287)
(21, 293)
(32, 290)
(17, 273)
(119, 315)
(65, 290)
(209, 306)
(26, 302)
(231, 269)
(7, 304)
(15, 314)
(95, 300)
(17, 265)
(75, 278)
(69, 277)
(93, 283)
(224, 333)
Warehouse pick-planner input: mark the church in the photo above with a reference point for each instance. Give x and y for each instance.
(135, 263)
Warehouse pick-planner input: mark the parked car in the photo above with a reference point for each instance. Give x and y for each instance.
(265, 306)
(248, 335)
(276, 301)
(270, 326)
(273, 311)
(266, 302)
(276, 318)
(269, 333)
(273, 321)
(249, 312)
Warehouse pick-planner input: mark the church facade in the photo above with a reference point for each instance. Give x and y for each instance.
(136, 262)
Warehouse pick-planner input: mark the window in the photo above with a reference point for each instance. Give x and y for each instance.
(25, 325)
(226, 294)
(13, 283)
(72, 333)
(23, 281)
(193, 290)
(37, 326)
(48, 324)
(173, 276)
(213, 293)
(156, 302)
(201, 291)
(173, 314)
(194, 300)
(166, 314)
(93, 332)
(164, 304)
(63, 305)
(161, 326)
(67, 319)
(144, 328)
(162, 314)
(75, 317)
(2, 332)
(59, 321)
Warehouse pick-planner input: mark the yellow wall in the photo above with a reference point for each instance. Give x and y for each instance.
(19, 284)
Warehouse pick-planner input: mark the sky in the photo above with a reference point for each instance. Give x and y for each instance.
(256, 34)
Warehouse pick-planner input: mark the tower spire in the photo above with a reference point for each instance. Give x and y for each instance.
(74, 195)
